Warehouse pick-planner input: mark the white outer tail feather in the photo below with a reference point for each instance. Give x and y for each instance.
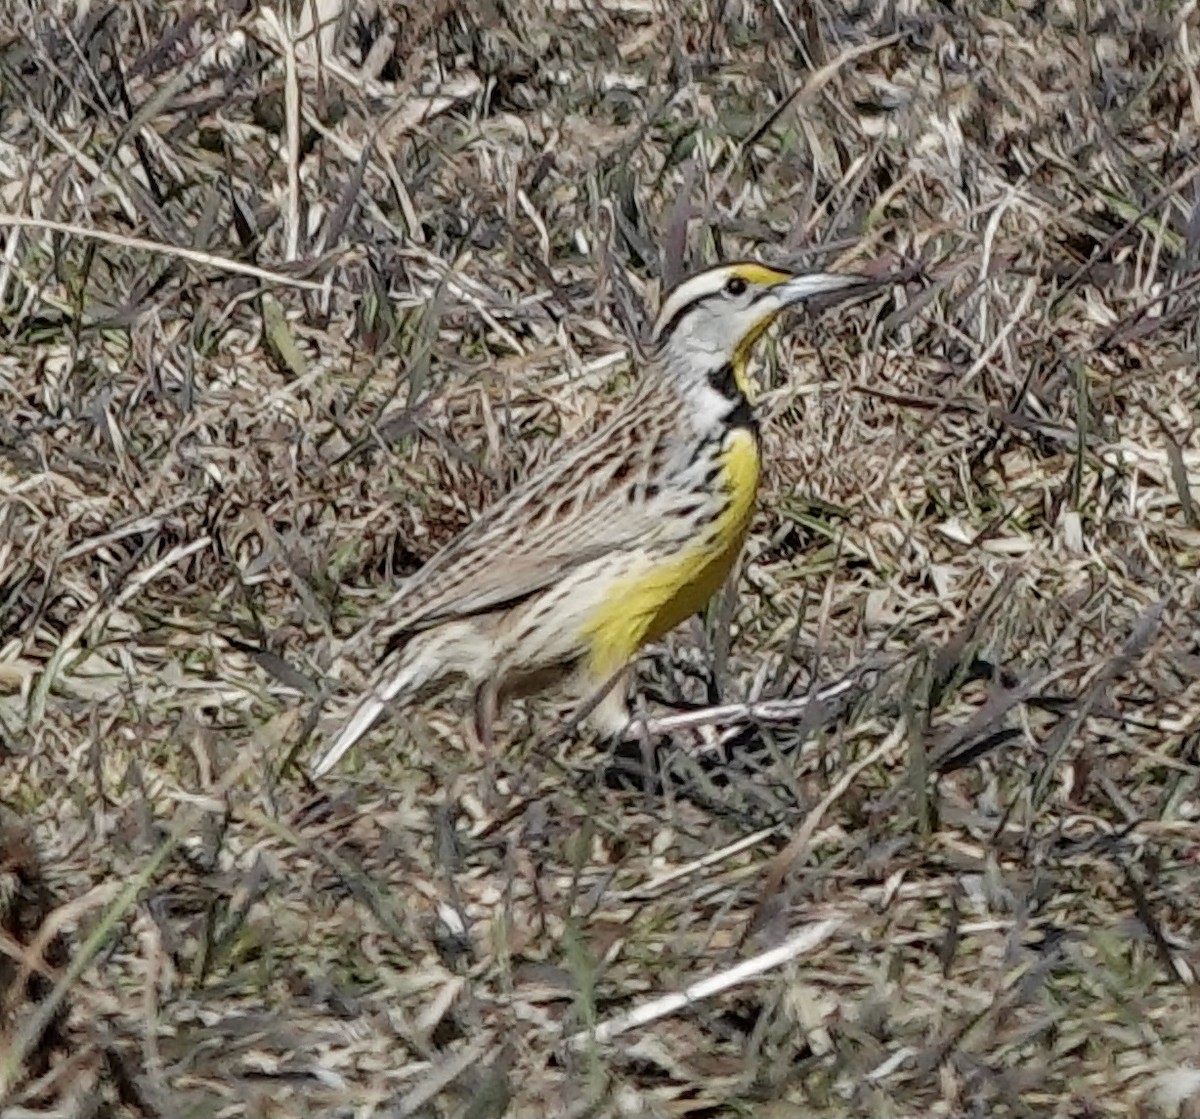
(363, 718)
(454, 649)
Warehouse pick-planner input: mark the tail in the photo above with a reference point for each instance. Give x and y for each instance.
(369, 708)
(407, 671)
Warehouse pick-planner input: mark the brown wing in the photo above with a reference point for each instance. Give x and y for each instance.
(573, 511)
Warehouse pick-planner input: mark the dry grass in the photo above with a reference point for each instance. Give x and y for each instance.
(303, 311)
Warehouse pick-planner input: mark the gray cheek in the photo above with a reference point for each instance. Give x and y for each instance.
(701, 348)
(709, 342)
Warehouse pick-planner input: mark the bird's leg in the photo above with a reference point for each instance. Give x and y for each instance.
(610, 715)
(486, 705)
(645, 752)
(634, 758)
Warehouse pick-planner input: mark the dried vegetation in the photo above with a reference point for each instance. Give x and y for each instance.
(280, 311)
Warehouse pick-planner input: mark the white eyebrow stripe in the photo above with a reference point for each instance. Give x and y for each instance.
(689, 292)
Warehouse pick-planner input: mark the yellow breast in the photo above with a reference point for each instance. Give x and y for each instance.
(663, 594)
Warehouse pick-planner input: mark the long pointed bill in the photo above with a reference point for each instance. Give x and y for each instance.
(818, 283)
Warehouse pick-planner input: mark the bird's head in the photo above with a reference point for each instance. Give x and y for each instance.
(709, 322)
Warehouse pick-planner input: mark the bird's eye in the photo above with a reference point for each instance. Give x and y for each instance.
(735, 286)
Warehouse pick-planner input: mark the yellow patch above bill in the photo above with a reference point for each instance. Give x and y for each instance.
(760, 274)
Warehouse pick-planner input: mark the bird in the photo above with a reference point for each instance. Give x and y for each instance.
(609, 545)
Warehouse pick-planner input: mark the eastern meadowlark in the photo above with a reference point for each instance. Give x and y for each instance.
(610, 546)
